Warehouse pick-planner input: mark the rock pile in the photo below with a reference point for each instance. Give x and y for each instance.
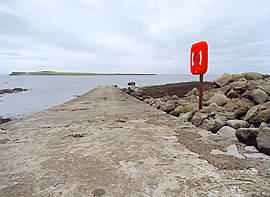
(239, 104)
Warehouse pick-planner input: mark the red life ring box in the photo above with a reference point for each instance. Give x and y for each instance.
(199, 58)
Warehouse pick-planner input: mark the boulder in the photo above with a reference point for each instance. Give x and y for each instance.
(247, 136)
(240, 86)
(193, 92)
(253, 75)
(264, 125)
(171, 102)
(263, 142)
(261, 116)
(198, 118)
(228, 132)
(247, 94)
(219, 99)
(149, 101)
(220, 92)
(226, 88)
(236, 124)
(157, 104)
(176, 111)
(232, 94)
(265, 88)
(175, 97)
(259, 96)
(252, 112)
(181, 102)
(223, 80)
(185, 117)
(208, 95)
(236, 77)
(213, 105)
(228, 115)
(255, 83)
(192, 99)
(188, 108)
(167, 98)
(212, 125)
(168, 107)
(239, 106)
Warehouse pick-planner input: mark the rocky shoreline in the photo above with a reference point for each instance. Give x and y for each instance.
(234, 106)
(9, 91)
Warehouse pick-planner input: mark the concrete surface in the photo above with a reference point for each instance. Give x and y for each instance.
(106, 143)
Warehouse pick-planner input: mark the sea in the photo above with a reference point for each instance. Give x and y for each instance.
(48, 91)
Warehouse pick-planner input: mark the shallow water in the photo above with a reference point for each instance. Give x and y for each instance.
(48, 91)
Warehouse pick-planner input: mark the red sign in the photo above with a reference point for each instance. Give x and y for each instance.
(199, 58)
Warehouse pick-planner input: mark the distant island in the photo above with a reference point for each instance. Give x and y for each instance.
(70, 73)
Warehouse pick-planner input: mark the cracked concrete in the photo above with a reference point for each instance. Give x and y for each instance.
(106, 143)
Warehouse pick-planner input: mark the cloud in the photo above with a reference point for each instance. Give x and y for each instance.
(133, 35)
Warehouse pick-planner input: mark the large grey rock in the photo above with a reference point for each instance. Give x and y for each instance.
(265, 87)
(236, 124)
(259, 96)
(223, 80)
(226, 88)
(158, 103)
(232, 94)
(253, 75)
(219, 99)
(185, 117)
(192, 92)
(236, 77)
(168, 107)
(247, 94)
(192, 99)
(240, 86)
(252, 84)
(239, 106)
(247, 135)
(212, 125)
(175, 97)
(228, 132)
(228, 115)
(176, 111)
(198, 118)
(149, 101)
(261, 116)
(167, 98)
(263, 142)
(189, 107)
(252, 112)
(264, 125)
(181, 102)
(208, 95)
(171, 102)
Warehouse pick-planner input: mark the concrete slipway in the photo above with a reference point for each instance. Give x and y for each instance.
(106, 143)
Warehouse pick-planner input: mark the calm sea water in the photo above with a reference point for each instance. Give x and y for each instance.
(48, 91)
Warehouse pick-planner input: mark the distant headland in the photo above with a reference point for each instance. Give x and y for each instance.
(70, 73)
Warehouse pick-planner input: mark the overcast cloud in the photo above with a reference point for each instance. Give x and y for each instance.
(146, 36)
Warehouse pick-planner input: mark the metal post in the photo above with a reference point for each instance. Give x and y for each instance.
(201, 92)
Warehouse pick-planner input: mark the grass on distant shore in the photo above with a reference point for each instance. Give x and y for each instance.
(71, 73)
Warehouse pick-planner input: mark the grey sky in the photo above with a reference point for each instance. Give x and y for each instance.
(147, 36)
